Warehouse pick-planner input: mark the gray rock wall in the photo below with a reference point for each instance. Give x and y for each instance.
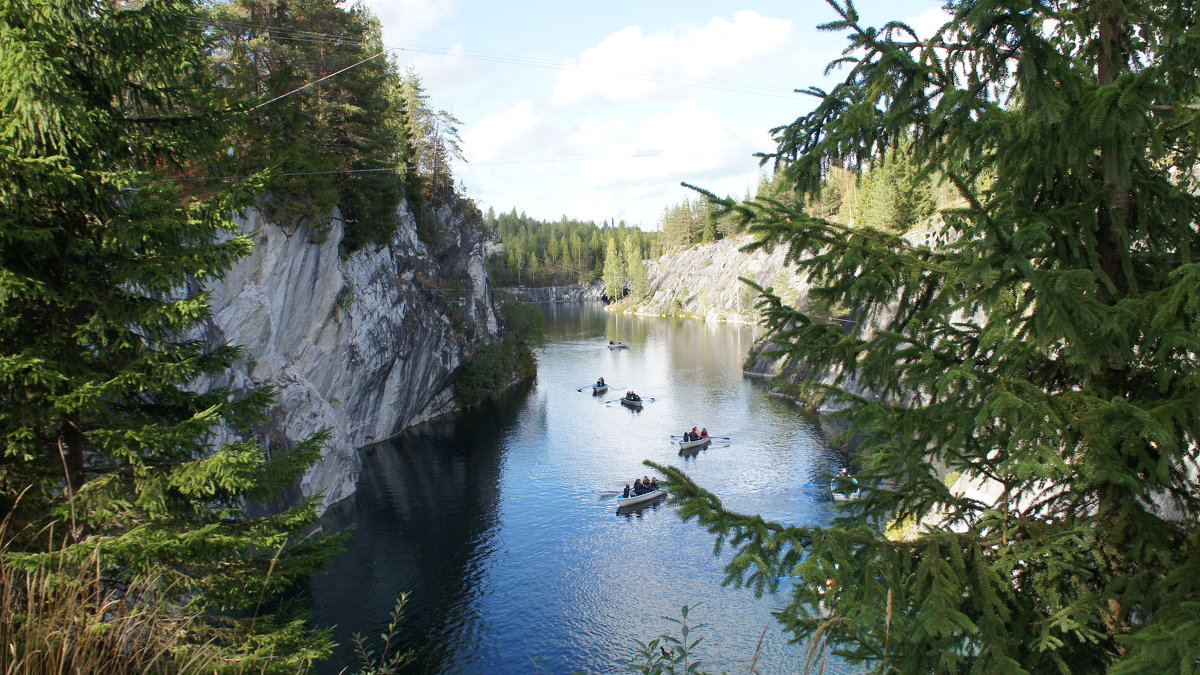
(702, 281)
(364, 346)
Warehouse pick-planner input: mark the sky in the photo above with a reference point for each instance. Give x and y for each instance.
(598, 111)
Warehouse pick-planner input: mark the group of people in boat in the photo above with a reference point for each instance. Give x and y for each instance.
(694, 435)
(641, 486)
(630, 396)
(600, 383)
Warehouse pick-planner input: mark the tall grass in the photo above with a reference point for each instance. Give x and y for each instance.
(58, 615)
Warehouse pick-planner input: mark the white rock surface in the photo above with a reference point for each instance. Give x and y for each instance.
(703, 281)
(364, 346)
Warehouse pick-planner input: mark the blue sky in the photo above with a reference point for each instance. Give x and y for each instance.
(598, 111)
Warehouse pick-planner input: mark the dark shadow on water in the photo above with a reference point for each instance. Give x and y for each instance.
(422, 498)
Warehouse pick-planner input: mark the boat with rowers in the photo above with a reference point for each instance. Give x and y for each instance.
(848, 486)
(617, 345)
(632, 499)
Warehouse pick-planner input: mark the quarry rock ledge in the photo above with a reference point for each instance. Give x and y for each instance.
(364, 346)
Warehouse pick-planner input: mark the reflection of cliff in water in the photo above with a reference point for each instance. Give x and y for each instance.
(422, 513)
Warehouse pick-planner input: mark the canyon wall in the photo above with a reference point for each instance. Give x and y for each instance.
(364, 345)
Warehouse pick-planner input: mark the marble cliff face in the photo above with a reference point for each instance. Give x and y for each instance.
(364, 346)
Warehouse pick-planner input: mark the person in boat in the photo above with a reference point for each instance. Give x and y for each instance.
(626, 493)
(654, 483)
(600, 382)
(695, 434)
(610, 342)
(687, 436)
(703, 432)
(637, 486)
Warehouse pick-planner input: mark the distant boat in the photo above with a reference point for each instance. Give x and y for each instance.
(684, 446)
(617, 345)
(638, 499)
(631, 402)
(598, 389)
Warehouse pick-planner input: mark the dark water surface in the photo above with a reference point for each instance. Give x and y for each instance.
(494, 520)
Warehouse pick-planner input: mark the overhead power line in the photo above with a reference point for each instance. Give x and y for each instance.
(549, 160)
(657, 76)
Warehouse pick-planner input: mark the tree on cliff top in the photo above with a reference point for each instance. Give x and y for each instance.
(1048, 344)
(106, 447)
(614, 271)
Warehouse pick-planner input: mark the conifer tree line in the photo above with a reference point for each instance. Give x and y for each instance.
(118, 462)
(563, 252)
(888, 191)
(362, 140)
(1044, 346)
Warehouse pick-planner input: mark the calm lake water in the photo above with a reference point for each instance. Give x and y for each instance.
(495, 523)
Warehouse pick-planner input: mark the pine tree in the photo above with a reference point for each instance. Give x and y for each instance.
(635, 268)
(1045, 347)
(614, 271)
(106, 444)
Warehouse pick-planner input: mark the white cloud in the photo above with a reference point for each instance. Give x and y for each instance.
(928, 21)
(507, 134)
(686, 142)
(628, 64)
(404, 20)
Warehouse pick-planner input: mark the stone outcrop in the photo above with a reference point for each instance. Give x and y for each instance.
(549, 295)
(363, 346)
(702, 281)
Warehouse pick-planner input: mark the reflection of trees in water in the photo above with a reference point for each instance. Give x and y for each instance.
(422, 504)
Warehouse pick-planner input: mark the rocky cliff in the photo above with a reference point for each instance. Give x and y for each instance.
(364, 345)
(702, 281)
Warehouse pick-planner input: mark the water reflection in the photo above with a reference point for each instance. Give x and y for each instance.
(501, 521)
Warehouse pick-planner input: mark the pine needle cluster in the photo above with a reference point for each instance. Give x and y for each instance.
(106, 439)
(1045, 344)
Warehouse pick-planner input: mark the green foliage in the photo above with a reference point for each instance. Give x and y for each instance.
(635, 269)
(614, 272)
(563, 252)
(388, 661)
(694, 223)
(1046, 342)
(669, 654)
(346, 141)
(105, 437)
(891, 195)
(497, 365)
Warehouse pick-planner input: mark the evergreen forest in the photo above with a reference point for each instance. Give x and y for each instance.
(890, 191)
(134, 533)
(1042, 348)
(540, 253)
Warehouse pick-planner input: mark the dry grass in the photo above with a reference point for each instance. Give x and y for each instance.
(57, 615)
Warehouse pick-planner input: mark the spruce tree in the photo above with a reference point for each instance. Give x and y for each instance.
(635, 268)
(108, 441)
(1045, 347)
(614, 271)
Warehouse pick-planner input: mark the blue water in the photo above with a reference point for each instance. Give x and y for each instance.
(495, 520)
